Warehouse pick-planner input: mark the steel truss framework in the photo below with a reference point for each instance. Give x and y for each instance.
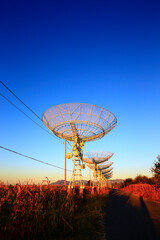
(76, 178)
(98, 162)
(101, 176)
(79, 123)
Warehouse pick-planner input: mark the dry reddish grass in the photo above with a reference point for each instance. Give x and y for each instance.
(44, 212)
(147, 191)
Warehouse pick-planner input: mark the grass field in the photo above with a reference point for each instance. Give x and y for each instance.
(49, 212)
(147, 191)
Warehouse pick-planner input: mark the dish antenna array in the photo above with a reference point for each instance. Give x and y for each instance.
(78, 123)
(97, 161)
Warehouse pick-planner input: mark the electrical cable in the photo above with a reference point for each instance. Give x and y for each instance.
(21, 101)
(29, 117)
(24, 113)
(27, 108)
(37, 160)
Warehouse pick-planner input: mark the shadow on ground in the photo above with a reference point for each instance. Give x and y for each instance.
(131, 218)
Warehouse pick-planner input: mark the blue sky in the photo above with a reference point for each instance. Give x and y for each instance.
(105, 53)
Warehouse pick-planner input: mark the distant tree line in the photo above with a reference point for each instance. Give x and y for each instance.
(137, 180)
(143, 179)
(140, 178)
(156, 169)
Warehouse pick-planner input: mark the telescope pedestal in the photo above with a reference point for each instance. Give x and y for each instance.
(76, 178)
(95, 180)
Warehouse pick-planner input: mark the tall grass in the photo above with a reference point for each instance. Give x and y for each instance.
(146, 191)
(36, 212)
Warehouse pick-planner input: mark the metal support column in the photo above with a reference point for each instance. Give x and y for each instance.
(65, 166)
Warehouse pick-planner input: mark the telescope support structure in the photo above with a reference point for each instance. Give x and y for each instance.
(77, 149)
(76, 178)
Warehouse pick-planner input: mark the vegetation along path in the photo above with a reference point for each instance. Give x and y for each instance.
(129, 217)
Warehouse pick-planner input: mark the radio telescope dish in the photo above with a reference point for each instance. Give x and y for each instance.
(104, 165)
(97, 156)
(98, 162)
(108, 177)
(101, 168)
(107, 170)
(79, 123)
(85, 121)
(108, 174)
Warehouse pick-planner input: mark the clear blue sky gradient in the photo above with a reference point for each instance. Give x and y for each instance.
(99, 52)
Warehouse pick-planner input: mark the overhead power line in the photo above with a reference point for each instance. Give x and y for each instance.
(21, 101)
(25, 113)
(27, 108)
(37, 160)
(32, 121)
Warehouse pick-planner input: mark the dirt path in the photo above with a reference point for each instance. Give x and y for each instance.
(131, 218)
